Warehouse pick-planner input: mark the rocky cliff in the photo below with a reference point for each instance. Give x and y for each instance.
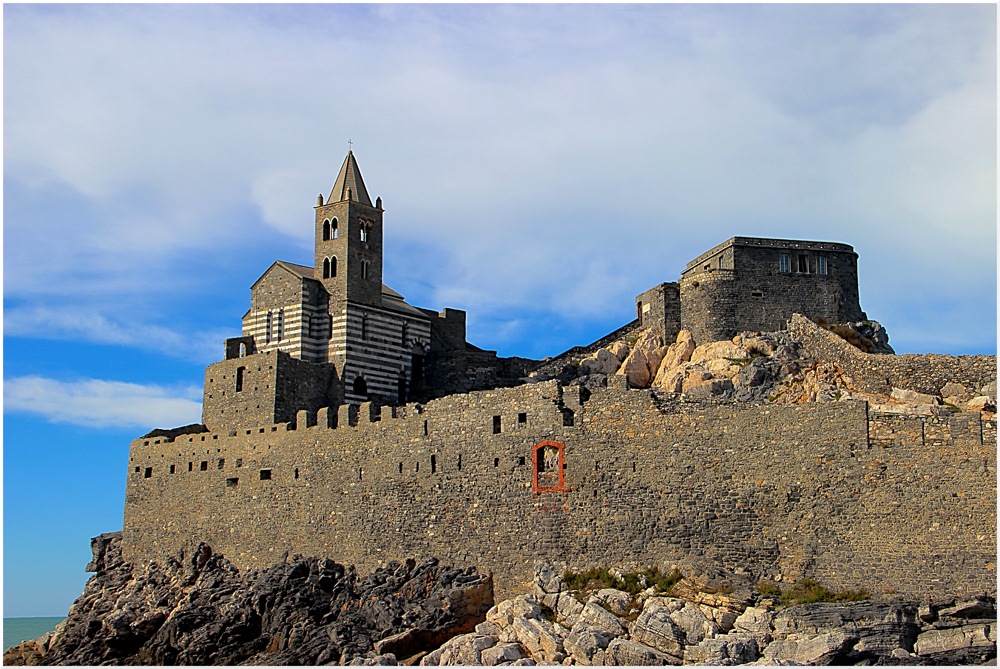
(197, 609)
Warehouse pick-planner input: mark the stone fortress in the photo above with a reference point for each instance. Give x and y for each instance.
(347, 423)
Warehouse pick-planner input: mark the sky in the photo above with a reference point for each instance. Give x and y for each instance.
(540, 165)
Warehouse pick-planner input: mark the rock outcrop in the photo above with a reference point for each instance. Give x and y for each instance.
(699, 622)
(196, 608)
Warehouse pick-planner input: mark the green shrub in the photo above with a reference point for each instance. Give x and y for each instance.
(632, 582)
(808, 591)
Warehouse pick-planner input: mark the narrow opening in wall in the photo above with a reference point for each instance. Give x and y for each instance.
(595, 494)
(757, 293)
(296, 472)
(417, 467)
(459, 462)
(173, 469)
(568, 417)
(425, 428)
(400, 467)
(190, 466)
(496, 462)
(265, 474)
(239, 462)
(204, 465)
(360, 474)
(137, 469)
(232, 483)
(597, 465)
(633, 468)
(148, 473)
(522, 418)
(239, 378)
(222, 463)
(496, 424)
(434, 465)
(520, 461)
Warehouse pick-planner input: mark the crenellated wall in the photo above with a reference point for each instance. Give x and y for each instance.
(895, 504)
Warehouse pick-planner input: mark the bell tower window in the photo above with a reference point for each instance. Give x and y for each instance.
(364, 232)
(364, 269)
(333, 229)
(326, 230)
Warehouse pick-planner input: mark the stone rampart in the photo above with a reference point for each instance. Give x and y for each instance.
(881, 373)
(820, 490)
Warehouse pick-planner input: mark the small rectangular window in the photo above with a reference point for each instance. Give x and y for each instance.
(520, 461)
(522, 418)
(190, 466)
(434, 465)
(232, 483)
(148, 473)
(239, 462)
(785, 263)
(496, 424)
(173, 469)
(757, 293)
(265, 474)
(137, 470)
(803, 264)
(822, 265)
(204, 465)
(239, 378)
(222, 463)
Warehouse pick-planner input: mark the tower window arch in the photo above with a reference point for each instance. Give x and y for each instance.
(326, 230)
(334, 232)
(326, 268)
(364, 232)
(360, 387)
(364, 269)
(333, 266)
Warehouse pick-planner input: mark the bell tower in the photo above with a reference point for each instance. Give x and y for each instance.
(349, 240)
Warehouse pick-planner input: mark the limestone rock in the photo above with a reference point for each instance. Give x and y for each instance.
(584, 643)
(814, 650)
(676, 354)
(724, 650)
(506, 612)
(654, 627)
(955, 391)
(504, 652)
(597, 617)
(628, 653)
(718, 350)
(615, 601)
(705, 388)
(691, 619)
(967, 636)
(990, 390)
(982, 403)
(757, 622)
(619, 349)
(643, 360)
(913, 397)
(540, 638)
(602, 361)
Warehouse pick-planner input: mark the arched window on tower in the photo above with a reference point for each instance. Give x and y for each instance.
(333, 266)
(326, 230)
(364, 232)
(326, 268)
(364, 269)
(360, 387)
(334, 232)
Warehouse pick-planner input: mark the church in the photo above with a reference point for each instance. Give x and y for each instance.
(334, 334)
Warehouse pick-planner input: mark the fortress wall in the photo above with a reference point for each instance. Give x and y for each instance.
(881, 373)
(765, 489)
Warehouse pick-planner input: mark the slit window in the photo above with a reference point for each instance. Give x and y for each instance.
(496, 424)
(459, 462)
(190, 466)
(496, 462)
(265, 474)
(434, 465)
(757, 293)
(296, 472)
(784, 263)
(173, 469)
(239, 378)
(400, 467)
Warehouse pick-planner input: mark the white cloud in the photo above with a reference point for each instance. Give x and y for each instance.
(90, 326)
(99, 403)
(551, 156)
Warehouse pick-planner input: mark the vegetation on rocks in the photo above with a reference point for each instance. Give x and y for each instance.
(633, 582)
(808, 591)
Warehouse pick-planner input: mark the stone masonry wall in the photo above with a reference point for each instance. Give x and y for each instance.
(881, 373)
(798, 491)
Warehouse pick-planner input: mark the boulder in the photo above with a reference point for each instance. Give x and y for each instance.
(619, 349)
(812, 650)
(584, 643)
(757, 622)
(704, 388)
(977, 607)
(615, 601)
(503, 652)
(643, 360)
(718, 350)
(982, 403)
(979, 635)
(956, 392)
(506, 612)
(595, 616)
(628, 653)
(654, 627)
(990, 390)
(602, 361)
(540, 638)
(724, 650)
(913, 397)
(691, 619)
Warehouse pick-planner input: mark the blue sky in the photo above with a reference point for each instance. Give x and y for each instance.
(540, 165)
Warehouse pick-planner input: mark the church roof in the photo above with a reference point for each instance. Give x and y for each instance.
(350, 178)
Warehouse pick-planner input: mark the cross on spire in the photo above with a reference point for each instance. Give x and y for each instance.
(350, 145)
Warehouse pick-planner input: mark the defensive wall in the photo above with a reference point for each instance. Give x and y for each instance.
(881, 373)
(503, 478)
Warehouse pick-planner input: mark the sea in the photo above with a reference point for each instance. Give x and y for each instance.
(16, 630)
